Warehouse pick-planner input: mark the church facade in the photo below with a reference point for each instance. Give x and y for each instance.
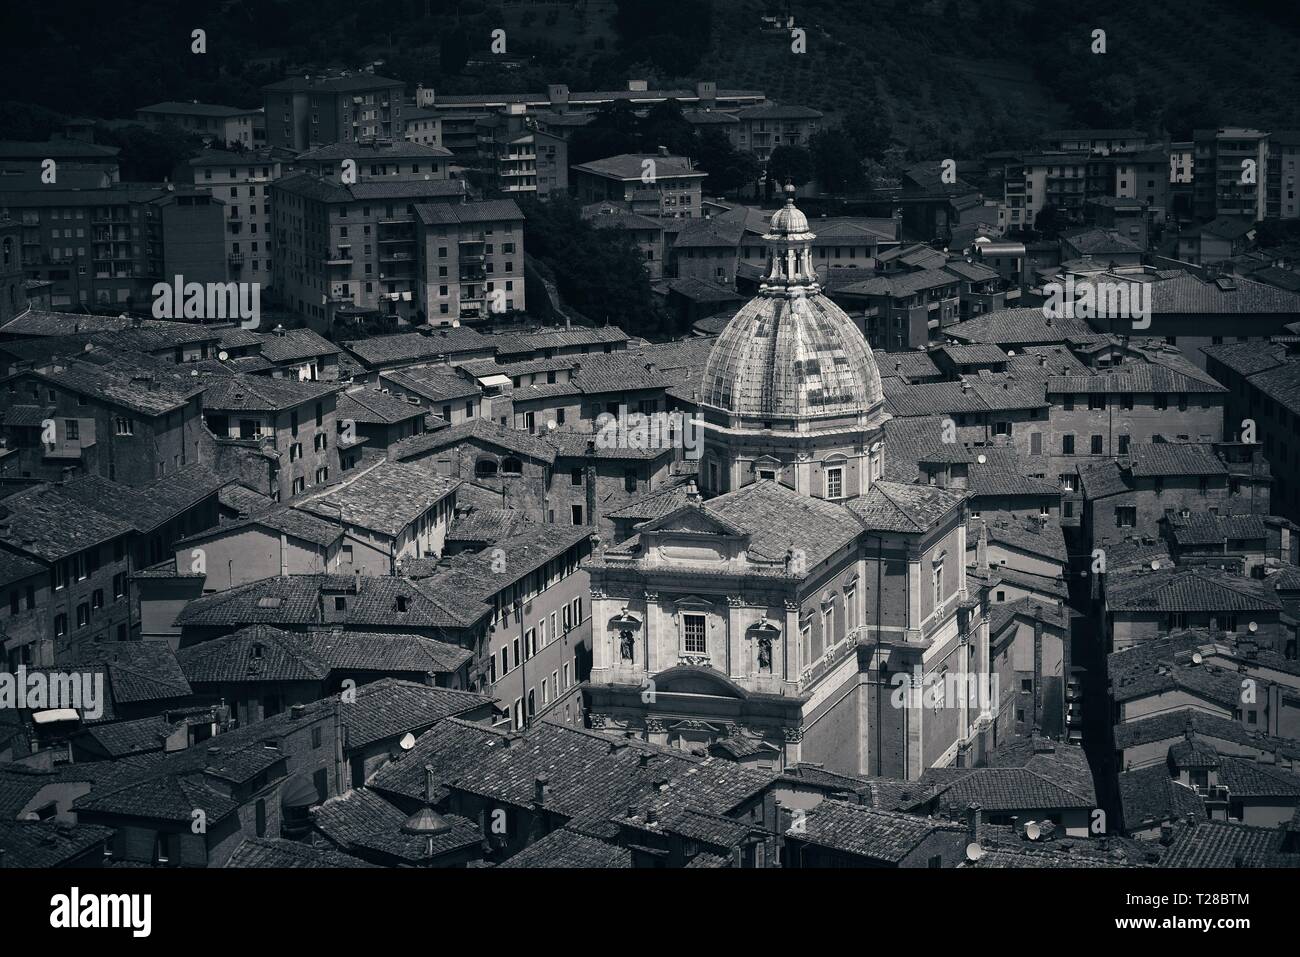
(798, 608)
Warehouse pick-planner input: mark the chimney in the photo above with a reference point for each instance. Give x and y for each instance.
(982, 549)
(428, 784)
(631, 811)
(541, 789)
(974, 824)
(1042, 362)
(297, 711)
(1166, 834)
(965, 386)
(663, 151)
(652, 816)
(644, 759)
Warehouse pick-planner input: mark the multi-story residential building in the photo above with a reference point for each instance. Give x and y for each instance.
(645, 233)
(1230, 173)
(1122, 497)
(86, 557)
(345, 251)
(1107, 415)
(28, 630)
(454, 343)
(13, 294)
(128, 419)
(1144, 175)
(422, 125)
(279, 435)
(1102, 142)
(243, 181)
(229, 125)
(309, 111)
(79, 160)
(904, 310)
(106, 248)
(469, 260)
(435, 387)
(1281, 201)
(652, 184)
(762, 129)
(390, 512)
(525, 610)
(1264, 408)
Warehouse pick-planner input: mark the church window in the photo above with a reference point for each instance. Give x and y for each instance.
(695, 630)
(835, 482)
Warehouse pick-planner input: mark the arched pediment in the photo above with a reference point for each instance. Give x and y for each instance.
(693, 679)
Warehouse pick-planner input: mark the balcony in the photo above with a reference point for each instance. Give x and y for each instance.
(341, 258)
(236, 260)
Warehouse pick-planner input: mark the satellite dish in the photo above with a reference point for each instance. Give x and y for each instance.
(407, 742)
(1011, 353)
(223, 355)
(1252, 627)
(981, 458)
(1196, 658)
(1032, 830)
(1155, 564)
(551, 425)
(973, 851)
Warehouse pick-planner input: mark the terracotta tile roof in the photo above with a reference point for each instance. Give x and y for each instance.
(387, 498)
(242, 499)
(122, 738)
(414, 346)
(47, 522)
(1037, 538)
(296, 600)
(1149, 796)
(569, 848)
(1202, 528)
(628, 166)
(886, 836)
(778, 518)
(291, 521)
(1162, 459)
(911, 365)
(361, 822)
(895, 507)
(1190, 589)
(1247, 358)
(372, 407)
(254, 393)
(1222, 844)
(390, 707)
(138, 671)
(992, 480)
(1017, 327)
(49, 843)
(150, 506)
(280, 854)
(480, 430)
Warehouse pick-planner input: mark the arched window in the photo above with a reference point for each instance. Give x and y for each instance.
(512, 466)
(485, 467)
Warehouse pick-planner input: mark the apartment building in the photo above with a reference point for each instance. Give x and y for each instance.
(345, 251)
(1230, 173)
(105, 248)
(243, 181)
(469, 260)
(308, 111)
(230, 125)
(652, 184)
(762, 129)
(422, 125)
(126, 418)
(279, 435)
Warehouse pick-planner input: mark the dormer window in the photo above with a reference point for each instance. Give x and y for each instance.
(255, 652)
(401, 604)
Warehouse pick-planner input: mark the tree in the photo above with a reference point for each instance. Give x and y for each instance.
(836, 161)
(729, 169)
(870, 133)
(598, 272)
(664, 125)
(1050, 221)
(792, 163)
(149, 155)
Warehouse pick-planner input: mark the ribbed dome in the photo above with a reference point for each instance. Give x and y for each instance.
(791, 357)
(789, 220)
(790, 352)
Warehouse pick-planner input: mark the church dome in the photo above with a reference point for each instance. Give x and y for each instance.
(790, 352)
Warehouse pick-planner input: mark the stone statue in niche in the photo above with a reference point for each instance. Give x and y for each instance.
(765, 655)
(626, 645)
